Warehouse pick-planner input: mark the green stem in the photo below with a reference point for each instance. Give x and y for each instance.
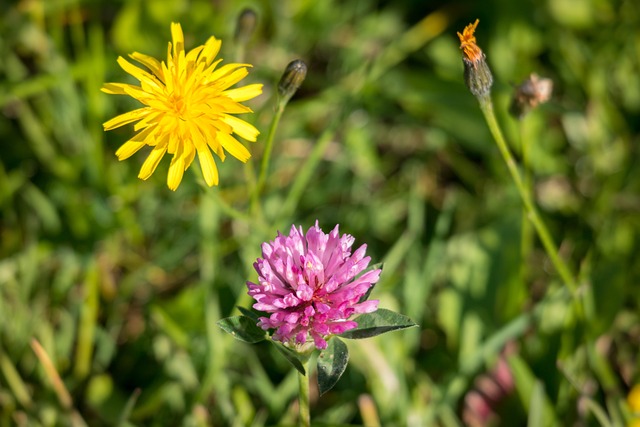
(224, 206)
(526, 242)
(543, 233)
(266, 157)
(303, 402)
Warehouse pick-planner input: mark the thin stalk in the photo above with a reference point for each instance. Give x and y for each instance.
(303, 401)
(543, 233)
(224, 206)
(266, 157)
(526, 241)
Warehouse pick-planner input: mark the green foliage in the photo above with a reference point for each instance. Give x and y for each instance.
(123, 282)
(379, 322)
(242, 328)
(331, 364)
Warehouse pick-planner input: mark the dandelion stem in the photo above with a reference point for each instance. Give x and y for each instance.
(486, 106)
(303, 402)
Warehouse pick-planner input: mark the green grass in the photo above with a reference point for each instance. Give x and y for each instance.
(121, 281)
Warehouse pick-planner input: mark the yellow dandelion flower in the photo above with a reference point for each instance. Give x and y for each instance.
(188, 108)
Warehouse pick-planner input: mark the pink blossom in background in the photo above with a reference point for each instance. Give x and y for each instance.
(308, 283)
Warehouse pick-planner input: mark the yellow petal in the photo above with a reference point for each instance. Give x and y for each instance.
(116, 88)
(143, 94)
(137, 72)
(224, 71)
(244, 93)
(130, 147)
(176, 171)
(241, 128)
(210, 51)
(192, 56)
(233, 78)
(148, 61)
(151, 163)
(189, 153)
(169, 78)
(215, 145)
(178, 39)
(125, 118)
(148, 120)
(233, 147)
(221, 126)
(221, 104)
(207, 164)
(209, 70)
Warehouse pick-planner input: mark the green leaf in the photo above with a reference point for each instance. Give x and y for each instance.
(242, 328)
(251, 314)
(331, 364)
(291, 356)
(525, 383)
(378, 322)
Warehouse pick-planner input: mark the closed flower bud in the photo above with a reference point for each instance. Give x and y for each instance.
(477, 74)
(292, 79)
(532, 92)
(246, 25)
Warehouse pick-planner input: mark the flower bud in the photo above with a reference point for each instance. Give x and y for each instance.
(246, 25)
(477, 74)
(292, 79)
(532, 92)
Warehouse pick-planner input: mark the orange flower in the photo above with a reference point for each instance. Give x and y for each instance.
(477, 74)
(468, 44)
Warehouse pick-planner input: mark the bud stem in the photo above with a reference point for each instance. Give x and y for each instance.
(266, 156)
(543, 233)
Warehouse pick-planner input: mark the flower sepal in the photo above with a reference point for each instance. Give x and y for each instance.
(379, 322)
(297, 357)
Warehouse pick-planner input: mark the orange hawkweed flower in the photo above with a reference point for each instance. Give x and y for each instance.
(468, 44)
(477, 75)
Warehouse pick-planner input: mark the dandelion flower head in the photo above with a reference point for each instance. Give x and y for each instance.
(188, 108)
(311, 284)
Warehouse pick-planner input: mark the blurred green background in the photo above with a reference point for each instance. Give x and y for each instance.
(121, 281)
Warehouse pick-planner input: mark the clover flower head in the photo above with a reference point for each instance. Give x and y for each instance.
(311, 285)
(188, 108)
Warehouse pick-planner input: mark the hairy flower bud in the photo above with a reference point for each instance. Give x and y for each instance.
(292, 79)
(477, 74)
